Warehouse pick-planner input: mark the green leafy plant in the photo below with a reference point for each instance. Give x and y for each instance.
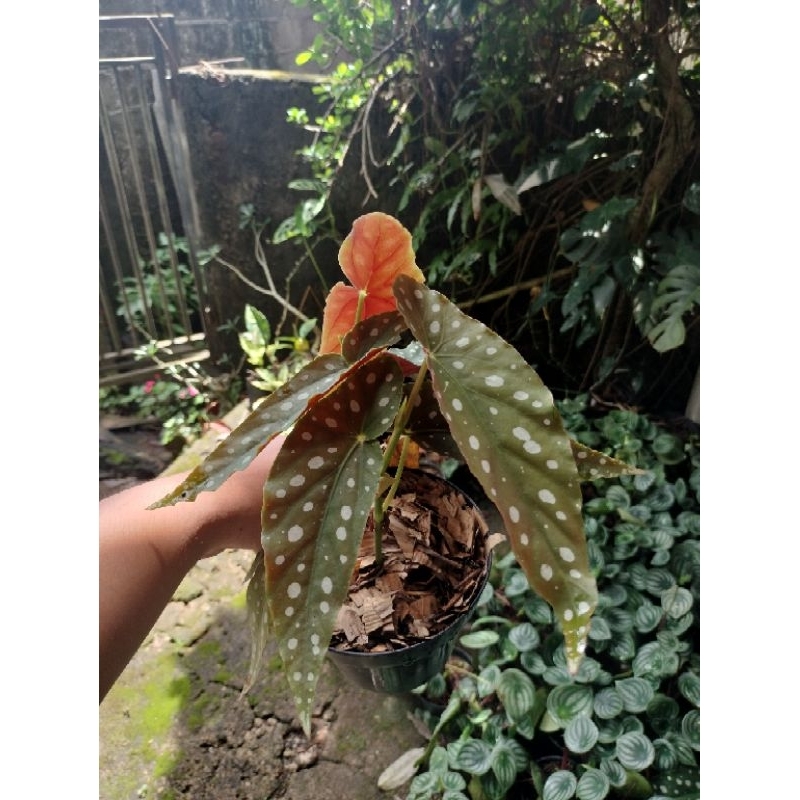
(182, 396)
(545, 157)
(400, 363)
(180, 409)
(274, 359)
(627, 723)
(160, 284)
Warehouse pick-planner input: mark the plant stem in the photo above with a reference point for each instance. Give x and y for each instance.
(362, 296)
(380, 504)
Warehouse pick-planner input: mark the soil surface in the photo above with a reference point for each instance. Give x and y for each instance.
(175, 725)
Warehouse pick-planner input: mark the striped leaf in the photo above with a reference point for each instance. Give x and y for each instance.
(512, 439)
(636, 693)
(580, 735)
(561, 785)
(593, 785)
(635, 751)
(569, 701)
(516, 692)
(316, 502)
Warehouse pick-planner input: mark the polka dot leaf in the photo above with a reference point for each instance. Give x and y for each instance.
(374, 332)
(428, 427)
(316, 503)
(593, 464)
(275, 414)
(512, 439)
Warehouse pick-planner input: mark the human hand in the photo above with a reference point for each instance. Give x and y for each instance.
(233, 512)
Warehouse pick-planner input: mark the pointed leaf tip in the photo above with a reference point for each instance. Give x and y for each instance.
(316, 502)
(506, 426)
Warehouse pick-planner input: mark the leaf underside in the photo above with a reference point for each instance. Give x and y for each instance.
(512, 439)
(316, 503)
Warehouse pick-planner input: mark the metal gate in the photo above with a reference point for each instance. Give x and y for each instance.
(151, 283)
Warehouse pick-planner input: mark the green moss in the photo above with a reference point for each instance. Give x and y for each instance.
(197, 711)
(239, 600)
(208, 647)
(137, 716)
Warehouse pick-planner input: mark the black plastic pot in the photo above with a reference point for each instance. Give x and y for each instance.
(398, 671)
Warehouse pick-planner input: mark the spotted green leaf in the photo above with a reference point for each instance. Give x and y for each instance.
(512, 439)
(593, 464)
(273, 416)
(377, 331)
(427, 427)
(316, 502)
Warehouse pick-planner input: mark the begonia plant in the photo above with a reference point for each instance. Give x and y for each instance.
(400, 366)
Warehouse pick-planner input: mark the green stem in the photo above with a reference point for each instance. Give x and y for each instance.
(362, 296)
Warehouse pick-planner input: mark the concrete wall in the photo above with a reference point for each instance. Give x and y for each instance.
(241, 148)
(267, 34)
(244, 151)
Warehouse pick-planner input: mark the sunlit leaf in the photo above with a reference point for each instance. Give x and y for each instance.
(339, 315)
(512, 438)
(316, 503)
(273, 416)
(593, 464)
(377, 250)
(503, 192)
(400, 770)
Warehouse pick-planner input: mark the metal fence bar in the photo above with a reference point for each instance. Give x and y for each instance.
(159, 182)
(125, 218)
(135, 171)
(150, 195)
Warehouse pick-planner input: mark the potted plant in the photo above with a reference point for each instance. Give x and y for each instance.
(400, 367)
